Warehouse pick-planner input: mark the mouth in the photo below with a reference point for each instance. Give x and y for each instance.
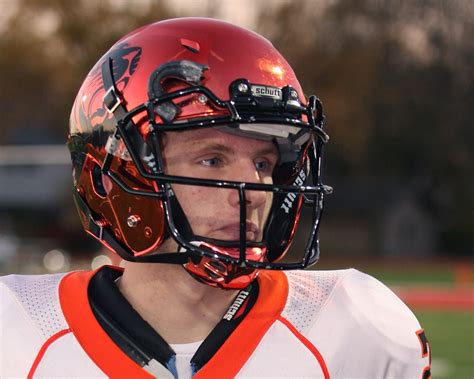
(231, 232)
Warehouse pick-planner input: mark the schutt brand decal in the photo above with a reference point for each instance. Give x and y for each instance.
(239, 300)
(265, 91)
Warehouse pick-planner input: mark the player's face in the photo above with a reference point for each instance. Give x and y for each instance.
(210, 154)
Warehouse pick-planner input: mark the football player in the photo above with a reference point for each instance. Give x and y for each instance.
(194, 150)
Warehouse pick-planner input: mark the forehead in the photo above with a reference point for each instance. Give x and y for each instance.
(206, 137)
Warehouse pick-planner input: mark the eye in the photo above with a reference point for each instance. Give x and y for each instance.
(263, 165)
(210, 162)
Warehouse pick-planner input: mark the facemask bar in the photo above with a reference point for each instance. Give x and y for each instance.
(310, 256)
(311, 250)
(125, 126)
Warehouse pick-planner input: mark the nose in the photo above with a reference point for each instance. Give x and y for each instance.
(254, 199)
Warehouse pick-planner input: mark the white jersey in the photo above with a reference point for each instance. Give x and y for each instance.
(303, 324)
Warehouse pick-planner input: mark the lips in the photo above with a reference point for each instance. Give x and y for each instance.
(231, 232)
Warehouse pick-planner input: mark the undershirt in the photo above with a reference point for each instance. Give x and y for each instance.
(184, 353)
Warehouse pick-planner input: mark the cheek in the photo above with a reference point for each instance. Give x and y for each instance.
(200, 204)
(268, 206)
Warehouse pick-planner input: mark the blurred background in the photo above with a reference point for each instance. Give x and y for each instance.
(396, 79)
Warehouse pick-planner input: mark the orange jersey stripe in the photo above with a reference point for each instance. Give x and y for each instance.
(308, 344)
(43, 349)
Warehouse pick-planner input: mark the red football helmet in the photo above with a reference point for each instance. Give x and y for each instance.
(185, 74)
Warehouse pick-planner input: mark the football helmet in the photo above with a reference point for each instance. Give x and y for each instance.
(184, 74)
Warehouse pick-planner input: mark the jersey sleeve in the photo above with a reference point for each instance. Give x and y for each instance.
(384, 329)
(19, 338)
(29, 315)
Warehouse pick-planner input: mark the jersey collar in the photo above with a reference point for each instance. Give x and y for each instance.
(226, 362)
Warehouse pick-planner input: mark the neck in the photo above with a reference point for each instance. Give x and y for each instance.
(178, 307)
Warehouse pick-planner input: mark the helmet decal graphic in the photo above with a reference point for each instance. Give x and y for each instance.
(92, 111)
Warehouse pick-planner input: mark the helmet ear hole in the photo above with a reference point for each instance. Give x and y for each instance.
(97, 183)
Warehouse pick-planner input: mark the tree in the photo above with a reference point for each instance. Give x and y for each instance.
(394, 78)
(47, 48)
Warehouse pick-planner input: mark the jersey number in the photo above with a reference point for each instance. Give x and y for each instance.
(425, 352)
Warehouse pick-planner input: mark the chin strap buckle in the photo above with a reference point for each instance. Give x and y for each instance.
(111, 100)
